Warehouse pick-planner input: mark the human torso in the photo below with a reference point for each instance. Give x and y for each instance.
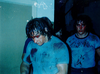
(83, 50)
(45, 59)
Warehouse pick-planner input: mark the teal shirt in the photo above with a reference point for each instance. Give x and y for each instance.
(44, 58)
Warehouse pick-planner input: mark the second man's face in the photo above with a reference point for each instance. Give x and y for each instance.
(81, 27)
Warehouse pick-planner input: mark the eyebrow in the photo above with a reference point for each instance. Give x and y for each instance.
(82, 24)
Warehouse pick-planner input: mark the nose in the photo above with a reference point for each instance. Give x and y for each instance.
(80, 26)
(35, 40)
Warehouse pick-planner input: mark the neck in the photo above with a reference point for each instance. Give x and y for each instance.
(46, 38)
(82, 35)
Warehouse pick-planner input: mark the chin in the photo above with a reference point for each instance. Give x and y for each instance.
(80, 33)
(40, 44)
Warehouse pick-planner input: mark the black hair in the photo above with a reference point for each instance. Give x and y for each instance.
(39, 24)
(87, 21)
(49, 23)
(28, 29)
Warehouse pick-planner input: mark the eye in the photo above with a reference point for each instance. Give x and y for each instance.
(82, 25)
(77, 25)
(36, 36)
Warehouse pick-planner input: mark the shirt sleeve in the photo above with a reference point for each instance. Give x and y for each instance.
(97, 42)
(62, 55)
(26, 58)
(26, 43)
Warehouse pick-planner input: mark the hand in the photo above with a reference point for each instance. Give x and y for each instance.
(24, 73)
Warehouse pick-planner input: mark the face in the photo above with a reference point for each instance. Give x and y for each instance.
(81, 27)
(39, 39)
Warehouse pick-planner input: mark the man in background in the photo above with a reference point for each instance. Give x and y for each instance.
(83, 45)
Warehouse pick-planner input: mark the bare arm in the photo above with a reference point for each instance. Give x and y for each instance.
(62, 68)
(24, 68)
(98, 51)
(23, 56)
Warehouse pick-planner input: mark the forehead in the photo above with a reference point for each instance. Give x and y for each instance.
(80, 22)
(36, 32)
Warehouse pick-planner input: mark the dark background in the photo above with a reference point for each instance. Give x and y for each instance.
(67, 10)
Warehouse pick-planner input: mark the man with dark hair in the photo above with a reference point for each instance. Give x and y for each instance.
(47, 54)
(83, 45)
(27, 29)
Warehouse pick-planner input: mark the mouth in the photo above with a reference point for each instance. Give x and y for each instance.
(80, 31)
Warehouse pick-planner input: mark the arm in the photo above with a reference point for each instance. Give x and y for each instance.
(98, 51)
(62, 68)
(24, 68)
(23, 55)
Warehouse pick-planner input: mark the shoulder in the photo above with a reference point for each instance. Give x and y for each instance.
(93, 36)
(70, 38)
(31, 45)
(58, 44)
(28, 40)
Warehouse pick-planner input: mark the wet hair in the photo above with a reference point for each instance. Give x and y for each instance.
(39, 25)
(28, 29)
(86, 20)
(49, 23)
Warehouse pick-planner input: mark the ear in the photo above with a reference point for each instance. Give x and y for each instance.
(46, 29)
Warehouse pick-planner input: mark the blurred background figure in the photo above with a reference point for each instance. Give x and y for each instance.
(83, 44)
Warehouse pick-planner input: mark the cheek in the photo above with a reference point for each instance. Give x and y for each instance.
(77, 27)
(84, 27)
(41, 40)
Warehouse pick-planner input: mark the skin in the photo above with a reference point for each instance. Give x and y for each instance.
(98, 51)
(23, 55)
(62, 68)
(24, 68)
(40, 40)
(81, 29)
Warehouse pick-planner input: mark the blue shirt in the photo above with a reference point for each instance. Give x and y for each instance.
(44, 58)
(26, 43)
(83, 50)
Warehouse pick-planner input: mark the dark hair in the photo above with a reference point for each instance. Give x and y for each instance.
(49, 23)
(39, 24)
(87, 21)
(28, 29)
